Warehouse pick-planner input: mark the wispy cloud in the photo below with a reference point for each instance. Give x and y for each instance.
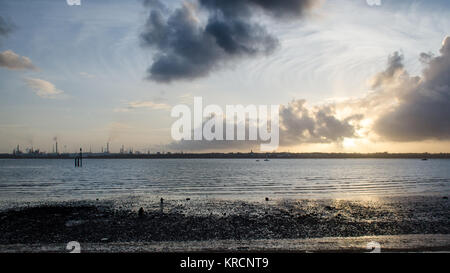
(87, 75)
(43, 89)
(143, 104)
(187, 98)
(13, 61)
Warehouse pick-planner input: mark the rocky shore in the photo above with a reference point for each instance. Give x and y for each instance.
(202, 220)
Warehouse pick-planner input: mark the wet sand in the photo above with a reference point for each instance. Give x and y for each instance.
(403, 224)
(388, 243)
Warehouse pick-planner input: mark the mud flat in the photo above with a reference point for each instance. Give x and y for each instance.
(397, 224)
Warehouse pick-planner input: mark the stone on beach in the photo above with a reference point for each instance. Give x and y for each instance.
(141, 212)
(72, 223)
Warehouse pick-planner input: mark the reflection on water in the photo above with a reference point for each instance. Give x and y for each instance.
(28, 179)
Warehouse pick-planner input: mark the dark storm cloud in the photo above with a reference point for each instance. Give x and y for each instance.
(188, 48)
(279, 8)
(183, 49)
(8, 58)
(6, 27)
(423, 111)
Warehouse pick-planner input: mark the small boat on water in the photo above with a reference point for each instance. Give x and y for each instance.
(424, 159)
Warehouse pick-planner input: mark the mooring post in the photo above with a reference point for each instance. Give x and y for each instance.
(81, 158)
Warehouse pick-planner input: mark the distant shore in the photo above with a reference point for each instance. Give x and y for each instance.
(185, 222)
(226, 155)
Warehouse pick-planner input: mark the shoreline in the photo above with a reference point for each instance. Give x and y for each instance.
(117, 226)
(412, 243)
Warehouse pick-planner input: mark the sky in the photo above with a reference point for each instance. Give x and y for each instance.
(349, 75)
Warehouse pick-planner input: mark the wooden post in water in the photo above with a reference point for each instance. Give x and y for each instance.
(79, 159)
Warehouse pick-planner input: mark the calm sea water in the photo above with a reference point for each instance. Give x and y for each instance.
(29, 179)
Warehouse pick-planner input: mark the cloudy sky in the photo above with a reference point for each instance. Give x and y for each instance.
(349, 76)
